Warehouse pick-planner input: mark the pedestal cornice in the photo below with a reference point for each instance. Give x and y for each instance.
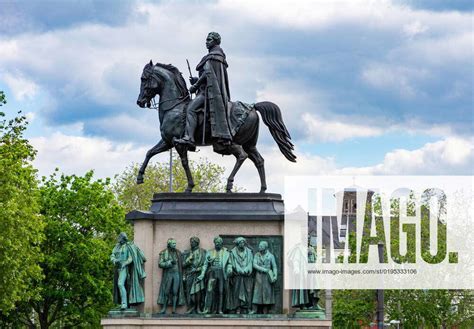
(213, 206)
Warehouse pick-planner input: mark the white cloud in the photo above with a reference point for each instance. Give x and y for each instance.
(306, 13)
(451, 156)
(414, 29)
(415, 126)
(308, 111)
(144, 124)
(390, 77)
(20, 86)
(276, 167)
(77, 155)
(294, 99)
(9, 49)
(102, 63)
(321, 14)
(434, 52)
(320, 130)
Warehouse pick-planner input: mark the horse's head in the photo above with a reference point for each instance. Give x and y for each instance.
(149, 86)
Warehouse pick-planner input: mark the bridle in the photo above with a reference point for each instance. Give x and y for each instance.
(153, 104)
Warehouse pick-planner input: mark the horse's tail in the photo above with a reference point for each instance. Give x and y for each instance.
(272, 118)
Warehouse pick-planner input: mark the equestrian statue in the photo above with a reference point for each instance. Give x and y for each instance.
(210, 118)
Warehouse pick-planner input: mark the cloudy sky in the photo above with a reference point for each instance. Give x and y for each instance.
(365, 86)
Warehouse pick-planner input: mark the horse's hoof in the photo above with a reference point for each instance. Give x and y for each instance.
(262, 190)
(188, 190)
(139, 180)
(228, 191)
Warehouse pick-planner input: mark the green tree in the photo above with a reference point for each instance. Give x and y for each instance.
(20, 224)
(353, 308)
(431, 308)
(414, 308)
(208, 177)
(82, 219)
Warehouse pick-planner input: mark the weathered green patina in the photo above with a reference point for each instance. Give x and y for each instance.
(216, 269)
(171, 288)
(266, 275)
(193, 262)
(129, 272)
(241, 281)
(307, 299)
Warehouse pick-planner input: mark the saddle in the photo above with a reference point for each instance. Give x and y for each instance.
(237, 112)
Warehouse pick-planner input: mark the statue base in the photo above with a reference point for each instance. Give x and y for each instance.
(310, 314)
(180, 216)
(215, 322)
(255, 216)
(128, 313)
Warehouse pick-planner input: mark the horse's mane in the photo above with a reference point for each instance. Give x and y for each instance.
(177, 76)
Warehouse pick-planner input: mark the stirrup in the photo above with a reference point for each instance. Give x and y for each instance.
(224, 141)
(185, 142)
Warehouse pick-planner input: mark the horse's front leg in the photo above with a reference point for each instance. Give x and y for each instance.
(183, 154)
(158, 148)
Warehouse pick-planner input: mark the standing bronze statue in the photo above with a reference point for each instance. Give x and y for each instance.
(235, 121)
(171, 288)
(216, 269)
(306, 298)
(193, 264)
(129, 272)
(241, 282)
(213, 94)
(266, 275)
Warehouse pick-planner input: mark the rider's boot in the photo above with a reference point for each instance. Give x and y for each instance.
(188, 138)
(224, 141)
(192, 110)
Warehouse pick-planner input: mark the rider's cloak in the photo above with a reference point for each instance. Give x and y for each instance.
(217, 94)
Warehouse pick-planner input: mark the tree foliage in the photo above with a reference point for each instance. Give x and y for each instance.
(20, 225)
(208, 177)
(353, 308)
(431, 308)
(439, 308)
(82, 220)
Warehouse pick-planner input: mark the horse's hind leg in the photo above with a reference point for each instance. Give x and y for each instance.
(257, 159)
(240, 157)
(183, 155)
(158, 148)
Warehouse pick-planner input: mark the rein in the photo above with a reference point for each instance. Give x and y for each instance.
(181, 98)
(155, 106)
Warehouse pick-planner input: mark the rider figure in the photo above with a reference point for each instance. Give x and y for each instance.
(212, 87)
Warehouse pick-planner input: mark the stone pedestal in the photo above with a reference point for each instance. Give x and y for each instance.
(205, 215)
(309, 314)
(206, 323)
(128, 313)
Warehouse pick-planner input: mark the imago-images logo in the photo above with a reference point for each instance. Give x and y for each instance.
(374, 232)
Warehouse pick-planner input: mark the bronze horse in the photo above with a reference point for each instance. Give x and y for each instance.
(167, 82)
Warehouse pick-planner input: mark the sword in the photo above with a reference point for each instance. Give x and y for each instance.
(189, 69)
(190, 76)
